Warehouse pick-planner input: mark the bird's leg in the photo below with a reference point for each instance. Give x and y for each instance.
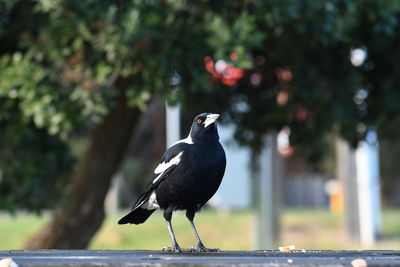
(200, 246)
(175, 246)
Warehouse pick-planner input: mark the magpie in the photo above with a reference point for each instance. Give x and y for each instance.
(189, 174)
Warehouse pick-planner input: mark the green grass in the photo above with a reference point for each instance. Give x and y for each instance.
(226, 230)
(306, 229)
(320, 229)
(391, 223)
(16, 229)
(311, 229)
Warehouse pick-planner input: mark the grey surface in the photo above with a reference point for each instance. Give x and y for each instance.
(224, 258)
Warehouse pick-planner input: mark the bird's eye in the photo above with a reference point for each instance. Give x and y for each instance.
(199, 121)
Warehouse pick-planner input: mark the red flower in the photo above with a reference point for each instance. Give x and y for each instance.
(301, 114)
(226, 72)
(284, 75)
(234, 56)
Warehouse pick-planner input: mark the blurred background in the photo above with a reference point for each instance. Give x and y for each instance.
(92, 93)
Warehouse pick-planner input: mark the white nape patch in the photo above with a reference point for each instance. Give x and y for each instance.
(211, 118)
(162, 167)
(151, 203)
(188, 140)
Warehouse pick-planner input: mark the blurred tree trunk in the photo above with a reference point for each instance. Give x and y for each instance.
(148, 142)
(79, 218)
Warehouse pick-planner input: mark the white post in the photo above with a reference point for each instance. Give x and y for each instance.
(367, 160)
(172, 123)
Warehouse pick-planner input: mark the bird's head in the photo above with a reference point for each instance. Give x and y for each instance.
(204, 128)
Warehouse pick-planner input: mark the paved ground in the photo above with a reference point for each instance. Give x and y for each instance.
(224, 258)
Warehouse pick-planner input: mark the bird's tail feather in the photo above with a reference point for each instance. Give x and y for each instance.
(136, 216)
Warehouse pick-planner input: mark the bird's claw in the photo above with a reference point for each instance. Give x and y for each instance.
(176, 249)
(203, 249)
(197, 249)
(213, 250)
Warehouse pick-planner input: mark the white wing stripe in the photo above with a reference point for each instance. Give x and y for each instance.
(162, 167)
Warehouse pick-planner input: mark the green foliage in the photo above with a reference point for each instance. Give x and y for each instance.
(34, 165)
(301, 51)
(60, 62)
(239, 38)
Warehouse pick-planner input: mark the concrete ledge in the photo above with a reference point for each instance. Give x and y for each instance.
(223, 258)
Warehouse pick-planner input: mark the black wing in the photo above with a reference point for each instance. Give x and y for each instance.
(169, 161)
(162, 172)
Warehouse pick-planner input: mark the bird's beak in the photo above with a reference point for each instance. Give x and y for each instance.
(211, 118)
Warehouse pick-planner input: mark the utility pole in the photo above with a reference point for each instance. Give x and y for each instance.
(346, 171)
(268, 190)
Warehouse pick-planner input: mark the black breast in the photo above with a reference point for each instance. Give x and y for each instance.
(195, 179)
